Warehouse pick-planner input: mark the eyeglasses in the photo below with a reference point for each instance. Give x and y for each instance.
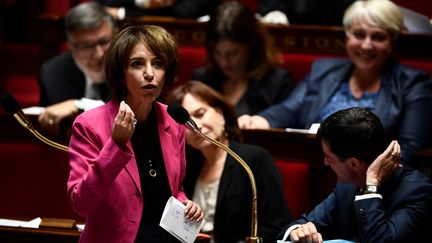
(89, 48)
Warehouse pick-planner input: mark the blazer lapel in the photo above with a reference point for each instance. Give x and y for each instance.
(327, 89)
(166, 143)
(382, 108)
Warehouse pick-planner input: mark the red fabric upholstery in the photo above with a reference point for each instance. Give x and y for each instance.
(57, 7)
(20, 64)
(299, 64)
(190, 58)
(24, 88)
(33, 181)
(295, 177)
(420, 64)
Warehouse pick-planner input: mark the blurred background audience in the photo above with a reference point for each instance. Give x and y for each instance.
(399, 95)
(75, 80)
(242, 63)
(217, 182)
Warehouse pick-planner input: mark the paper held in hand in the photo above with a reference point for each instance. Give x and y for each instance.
(173, 220)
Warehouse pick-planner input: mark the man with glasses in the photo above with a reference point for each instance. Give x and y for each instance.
(75, 80)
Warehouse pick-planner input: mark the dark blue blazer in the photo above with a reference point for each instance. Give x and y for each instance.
(404, 103)
(402, 215)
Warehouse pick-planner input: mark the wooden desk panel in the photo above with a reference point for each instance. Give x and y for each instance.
(42, 235)
(311, 39)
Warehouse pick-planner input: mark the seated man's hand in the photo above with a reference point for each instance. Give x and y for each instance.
(50, 119)
(252, 122)
(384, 164)
(306, 233)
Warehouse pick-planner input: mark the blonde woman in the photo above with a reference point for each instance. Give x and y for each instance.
(399, 95)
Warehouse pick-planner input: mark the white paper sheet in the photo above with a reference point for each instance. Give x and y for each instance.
(312, 130)
(34, 110)
(173, 220)
(20, 223)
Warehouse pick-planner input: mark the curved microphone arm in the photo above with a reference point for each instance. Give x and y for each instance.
(253, 238)
(26, 123)
(10, 104)
(181, 115)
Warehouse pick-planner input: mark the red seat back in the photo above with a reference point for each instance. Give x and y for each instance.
(295, 177)
(33, 179)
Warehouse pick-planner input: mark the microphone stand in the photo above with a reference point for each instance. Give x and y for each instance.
(23, 119)
(11, 106)
(253, 238)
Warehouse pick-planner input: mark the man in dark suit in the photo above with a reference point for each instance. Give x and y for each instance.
(375, 200)
(75, 80)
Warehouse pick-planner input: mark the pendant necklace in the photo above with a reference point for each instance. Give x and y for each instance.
(152, 172)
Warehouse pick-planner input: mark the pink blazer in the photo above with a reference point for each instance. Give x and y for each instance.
(104, 184)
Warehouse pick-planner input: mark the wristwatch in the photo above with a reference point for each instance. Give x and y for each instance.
(371, 188)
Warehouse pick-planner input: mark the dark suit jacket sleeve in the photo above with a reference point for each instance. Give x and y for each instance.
(283, 114)
(412, 91)
(277, 85)
(60, 79)
(322, 216)
(402, 215)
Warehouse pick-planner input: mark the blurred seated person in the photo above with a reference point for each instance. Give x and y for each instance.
(242, 64)
(74, 81)
(375, 199)
(119, 9)
(316, 12)
(217, 182)
(270, 10)
(399, 95)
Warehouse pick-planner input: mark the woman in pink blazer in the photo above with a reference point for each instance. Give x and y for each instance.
(128, 156)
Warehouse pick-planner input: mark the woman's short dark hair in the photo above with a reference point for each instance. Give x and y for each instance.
(354, 132)
(161, 43)
(214, 99)
(235, 22)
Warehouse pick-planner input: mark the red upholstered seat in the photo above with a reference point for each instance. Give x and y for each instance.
(299, 64)
(420, 64)
(33, 181)
(24, 88)
(190, 58)
(20, 63)
(295, 177)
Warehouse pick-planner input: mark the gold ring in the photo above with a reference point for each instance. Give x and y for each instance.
(51, 121)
